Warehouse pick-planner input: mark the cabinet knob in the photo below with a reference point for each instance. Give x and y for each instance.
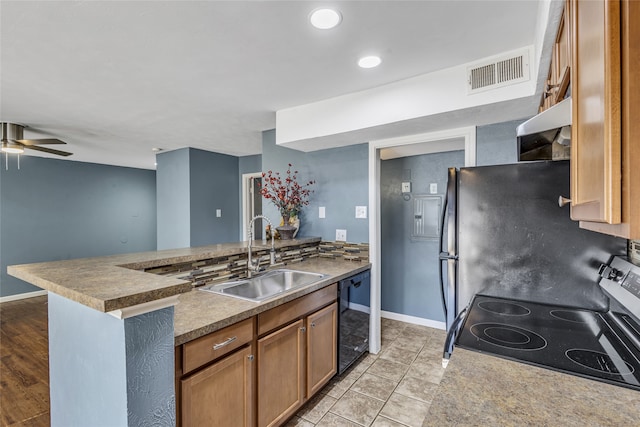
(250, 357)
(313, 324)
(562, 201)
(303, 329)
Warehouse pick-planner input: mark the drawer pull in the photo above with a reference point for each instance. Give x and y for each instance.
(224, 343)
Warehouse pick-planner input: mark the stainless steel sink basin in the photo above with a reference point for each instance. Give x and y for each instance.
(266, 285)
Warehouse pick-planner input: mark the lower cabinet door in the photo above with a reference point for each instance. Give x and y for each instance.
(280, 374)
(222, 394)
(322, 340)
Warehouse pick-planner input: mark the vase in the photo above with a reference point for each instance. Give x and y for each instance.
(288, 229)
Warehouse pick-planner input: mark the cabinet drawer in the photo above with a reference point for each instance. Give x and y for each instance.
(205, 349)
(297, 308)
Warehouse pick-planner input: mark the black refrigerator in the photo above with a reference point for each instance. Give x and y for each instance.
(505, 235)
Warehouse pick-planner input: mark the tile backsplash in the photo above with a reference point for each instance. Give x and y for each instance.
(231, 267)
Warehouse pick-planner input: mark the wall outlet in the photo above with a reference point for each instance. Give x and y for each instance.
(341, 235)
(218, 213)
(433, 188)
(406, 187)
(361, 211)
(321, 212)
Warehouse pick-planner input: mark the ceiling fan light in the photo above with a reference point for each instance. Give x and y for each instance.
(12, 148)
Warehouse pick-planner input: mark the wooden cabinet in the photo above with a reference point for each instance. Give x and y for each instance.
(322, 351)
(280, 374)
(559, 71)
(261, 370)
(221, 394)
(605, 93)
(296, 360)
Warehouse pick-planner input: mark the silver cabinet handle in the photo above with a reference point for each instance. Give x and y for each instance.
(224, 343)
(250, 357)
(562, 201)
(313, 324)
(303, 329)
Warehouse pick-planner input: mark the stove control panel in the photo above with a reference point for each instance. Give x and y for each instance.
(621, 281)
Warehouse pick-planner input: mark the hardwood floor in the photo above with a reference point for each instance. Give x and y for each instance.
(24, 363)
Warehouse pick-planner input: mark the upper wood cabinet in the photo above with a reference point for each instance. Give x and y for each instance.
(559, 75)
(605, 101)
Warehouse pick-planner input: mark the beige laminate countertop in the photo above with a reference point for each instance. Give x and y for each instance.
(115, 282)
(199, 313)
(482, 390)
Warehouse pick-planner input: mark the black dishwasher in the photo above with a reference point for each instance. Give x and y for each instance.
(353, 319)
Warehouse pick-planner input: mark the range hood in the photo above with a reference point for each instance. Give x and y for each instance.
(546, 136)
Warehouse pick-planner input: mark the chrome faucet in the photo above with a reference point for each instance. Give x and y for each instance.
(251, 268)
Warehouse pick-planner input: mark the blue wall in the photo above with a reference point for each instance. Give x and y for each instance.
(496, 144)
(191, 185)
(214, 185)
(58, 209)
(174, 198)
(129, 380)
(341, 176)
(409, 270)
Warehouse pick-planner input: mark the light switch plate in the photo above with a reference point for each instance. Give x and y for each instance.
(406, 187)
(321, 212)
(361, 211)
(218, 213)
(341, 235)
(433, 188)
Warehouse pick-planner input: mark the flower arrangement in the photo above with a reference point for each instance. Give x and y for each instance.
(285, 192)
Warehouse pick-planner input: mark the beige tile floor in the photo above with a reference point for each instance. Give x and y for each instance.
(393, 388)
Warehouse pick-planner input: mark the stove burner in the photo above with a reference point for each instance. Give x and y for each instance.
(504, 308)
(598, 361)
(577, 316)
(508, 336)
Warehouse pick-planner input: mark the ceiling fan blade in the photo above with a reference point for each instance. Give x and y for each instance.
(39, 141)
(47, 150)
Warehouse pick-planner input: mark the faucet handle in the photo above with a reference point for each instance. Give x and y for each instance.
(272, 256)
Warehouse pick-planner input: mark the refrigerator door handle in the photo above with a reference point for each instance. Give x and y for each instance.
(451, 337)
(444, 256)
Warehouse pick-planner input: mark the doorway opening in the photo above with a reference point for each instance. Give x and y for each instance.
(433, 142)
(251, 206)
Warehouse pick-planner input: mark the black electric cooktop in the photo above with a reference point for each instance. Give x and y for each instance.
(579, 342)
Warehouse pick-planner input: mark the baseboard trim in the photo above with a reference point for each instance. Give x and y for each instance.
(413, 319)
(24, 295)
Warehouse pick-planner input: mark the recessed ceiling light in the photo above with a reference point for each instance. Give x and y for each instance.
(325, 19)
(369, 61)
(156, 149)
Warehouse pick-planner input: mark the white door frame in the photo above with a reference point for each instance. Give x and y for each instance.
(246, 205)
(469, 135)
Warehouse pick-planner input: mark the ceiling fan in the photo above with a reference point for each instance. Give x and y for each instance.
(13, 142)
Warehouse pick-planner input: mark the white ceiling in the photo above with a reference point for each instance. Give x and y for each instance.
(116, 78)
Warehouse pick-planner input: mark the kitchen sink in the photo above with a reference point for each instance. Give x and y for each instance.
(266, 285)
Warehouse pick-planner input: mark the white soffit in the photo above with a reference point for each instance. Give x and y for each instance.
(430, 94)
(440, 146)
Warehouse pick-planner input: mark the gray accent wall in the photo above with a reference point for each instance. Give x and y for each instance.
(53, 209)
(497, 144)
(341, 176)
(129, 380)
(191, 185)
